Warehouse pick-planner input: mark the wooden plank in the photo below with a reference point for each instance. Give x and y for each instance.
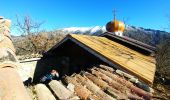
(139, 65)
(43, 93)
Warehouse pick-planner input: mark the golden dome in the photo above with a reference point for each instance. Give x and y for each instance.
(115, 26)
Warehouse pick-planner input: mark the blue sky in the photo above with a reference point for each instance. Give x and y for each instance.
(83, 13)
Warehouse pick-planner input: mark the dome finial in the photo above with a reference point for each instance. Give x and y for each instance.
(115, 26)
(114, 14)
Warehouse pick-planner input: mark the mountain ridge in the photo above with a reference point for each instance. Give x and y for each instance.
(94, 29)
(149, 36)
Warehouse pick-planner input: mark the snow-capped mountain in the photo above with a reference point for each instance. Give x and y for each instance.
(100, 29)
(149, 36)
(85, 30)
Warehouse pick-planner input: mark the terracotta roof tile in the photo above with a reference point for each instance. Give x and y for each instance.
(98, 84)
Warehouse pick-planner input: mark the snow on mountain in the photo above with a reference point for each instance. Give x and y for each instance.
(100, 29)
(97, 28)
(148, 36)
(141, 29)
(74, 29)
(134, 32)
(85, 30)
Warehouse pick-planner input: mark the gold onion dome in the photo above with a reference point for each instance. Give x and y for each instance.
(115, 26)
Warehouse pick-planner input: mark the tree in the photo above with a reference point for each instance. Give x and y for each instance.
(30, 30)
(27, 26)
(163, 60)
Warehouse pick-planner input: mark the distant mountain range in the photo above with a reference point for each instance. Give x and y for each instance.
(149, 36)
(97, 29)
(85, 30)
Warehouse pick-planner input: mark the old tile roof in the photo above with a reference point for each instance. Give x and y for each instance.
(116, 55)
(97, 83)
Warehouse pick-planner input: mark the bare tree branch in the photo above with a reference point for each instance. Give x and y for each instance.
(27, 26)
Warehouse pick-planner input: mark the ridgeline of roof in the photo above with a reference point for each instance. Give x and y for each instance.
(116, 55)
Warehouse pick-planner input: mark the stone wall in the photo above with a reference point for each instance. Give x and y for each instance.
(11, 85)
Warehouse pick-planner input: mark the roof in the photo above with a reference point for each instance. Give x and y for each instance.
(130, 41)
(98, 83)
(116, 55)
